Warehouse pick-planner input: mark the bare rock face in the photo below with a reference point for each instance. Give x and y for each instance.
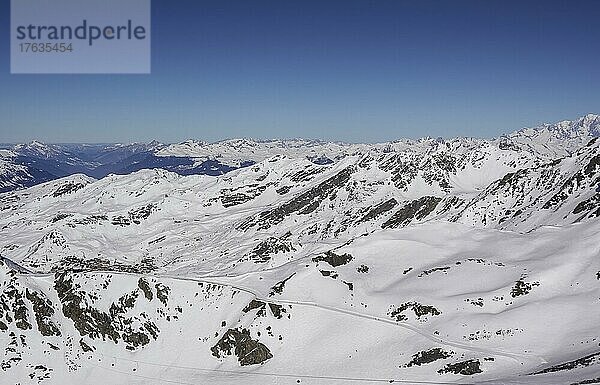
(239, 343)
(417, 209)
(334, 259)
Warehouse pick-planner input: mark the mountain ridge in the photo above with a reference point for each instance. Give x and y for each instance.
(37, 162)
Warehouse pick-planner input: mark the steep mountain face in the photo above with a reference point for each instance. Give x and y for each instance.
(14, 175)
(413, 261)
(563, 191)
(559, 139)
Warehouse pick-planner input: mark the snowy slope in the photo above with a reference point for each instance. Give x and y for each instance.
(563, 191)
(435, 261)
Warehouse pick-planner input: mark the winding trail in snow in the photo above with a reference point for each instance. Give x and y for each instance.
(520, 358)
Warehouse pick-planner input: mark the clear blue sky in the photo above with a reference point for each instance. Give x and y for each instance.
(369, 70)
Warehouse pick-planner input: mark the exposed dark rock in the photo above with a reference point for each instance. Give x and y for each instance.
(403, 171)
(591, 167)
(85, 347)
(585, 382)
(134, 216)
(331, 274)
(279, 286)
(320, 160)
(162, 293)
(121, 220)
(591, 205)
(60, 217)
(578, 363)
(247, 350)
(466, 368)
(39, 373)
(74, 264)
(417, 210)
(43, 310)
(419, 310)
(125, 303)
(152, 329)
(146, 289)
(572, 184)
(240, 195)
(283, 190)
(511, 179)
(427, 272)
(20, 312)
(379, 209)
(12, 305)
(334, 259)
(272, 245)
(522, 288)
(277, 310)
(234, 199)
(157, 240)
(507, 144)
(254, 304)
(135, 339)
(450, 203)
(306, 174)
(93, 323)
(12, 352)
(52, 346)
(428, 356)
(475, 302)
(90, 219)
(141, 213)
(437, 168)
(54, 238)
(304, 203)
(67, 188)
(87, 320)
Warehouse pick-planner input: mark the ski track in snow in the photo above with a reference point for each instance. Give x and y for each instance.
(259, 297)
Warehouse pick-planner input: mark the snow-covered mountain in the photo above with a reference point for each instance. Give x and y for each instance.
(559, 139)
(550, 140)
(415, 261)
(35, 162)
(16, 175)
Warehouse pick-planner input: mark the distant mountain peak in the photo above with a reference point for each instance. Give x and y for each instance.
(36, 148)
(591, 118)
(558, 139)
(588, 124)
